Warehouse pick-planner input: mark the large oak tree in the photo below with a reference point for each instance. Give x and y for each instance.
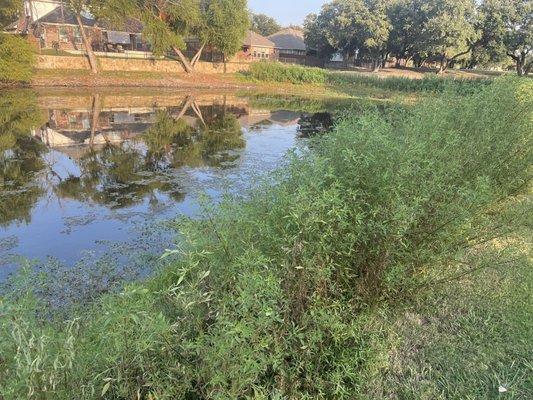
(507, 27)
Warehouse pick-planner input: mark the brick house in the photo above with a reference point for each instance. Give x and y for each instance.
(51, 25)
(290, 45)
(256, 47)
(59, 30)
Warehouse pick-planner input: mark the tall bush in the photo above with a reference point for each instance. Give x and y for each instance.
(17, 59)
(278, 72)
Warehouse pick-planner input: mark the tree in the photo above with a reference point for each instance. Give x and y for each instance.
(336, 24)
(9, 11)
(228, 21)
(264, 25)
(406, 21)
(315, 36)
(166, 23)
(78, 7)
(17, 58)
(373, 29)
(448, 29)
(507, 31)
(351, 27)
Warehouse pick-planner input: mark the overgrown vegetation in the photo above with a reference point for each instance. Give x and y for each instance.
(345, 81)
(17, 59)
(430, 83)
(277, 72)
(291, 292)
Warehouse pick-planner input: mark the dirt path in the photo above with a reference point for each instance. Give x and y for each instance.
(57, 78)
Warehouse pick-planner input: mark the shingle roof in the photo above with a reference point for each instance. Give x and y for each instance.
(255, 39)
(62, 15)
(289, 39)
(18, 26)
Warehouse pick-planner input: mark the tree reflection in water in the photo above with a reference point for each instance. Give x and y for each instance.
(122, 174)
(20, 156)
(117, 158)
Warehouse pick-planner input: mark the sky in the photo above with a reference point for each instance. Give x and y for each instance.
(286, 12)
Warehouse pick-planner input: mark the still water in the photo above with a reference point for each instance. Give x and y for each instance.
(86, 175)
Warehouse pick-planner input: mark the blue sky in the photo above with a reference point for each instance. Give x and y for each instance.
(286, 11)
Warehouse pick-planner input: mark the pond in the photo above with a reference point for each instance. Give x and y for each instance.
(96, 176)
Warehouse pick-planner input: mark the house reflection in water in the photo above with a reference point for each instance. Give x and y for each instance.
(86, 128)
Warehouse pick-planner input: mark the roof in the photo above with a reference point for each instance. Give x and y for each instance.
(19, 26)
(130, 25)
(289, 39)
(62, 15)
(255, 39)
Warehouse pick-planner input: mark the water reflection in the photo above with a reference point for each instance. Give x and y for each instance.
(20, 157)
(79, 170)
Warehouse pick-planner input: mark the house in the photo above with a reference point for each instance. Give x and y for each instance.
(59, 30)
(290, 45)
(51, 25)
(256, 47)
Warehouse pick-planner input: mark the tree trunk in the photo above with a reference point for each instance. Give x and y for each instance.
(197, 56)
(520, 68)
(225, 63)
(96, 117)
(376, 64)
(88, 48)
(443, 65)
(186, 64)
(384, 60)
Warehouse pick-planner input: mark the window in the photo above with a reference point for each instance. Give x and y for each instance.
(77, 35)
(63, 34)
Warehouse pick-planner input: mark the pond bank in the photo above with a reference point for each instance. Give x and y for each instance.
(82, 78)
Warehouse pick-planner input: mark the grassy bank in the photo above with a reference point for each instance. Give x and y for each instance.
(323, 281)
(352, 82)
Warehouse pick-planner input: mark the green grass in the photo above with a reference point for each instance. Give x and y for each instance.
(323, 281)
(465, 338)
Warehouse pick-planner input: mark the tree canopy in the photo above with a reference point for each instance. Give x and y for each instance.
(221, 24)
(350, 27)
(9, 11)
(507, 31)
(264, 25)
(228, 21)
(445, 31)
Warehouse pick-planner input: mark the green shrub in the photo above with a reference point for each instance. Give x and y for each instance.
(17, 59)
(278, 72)
(430, 83)
(279, 294)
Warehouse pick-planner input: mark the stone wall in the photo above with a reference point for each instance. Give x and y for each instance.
(130, 65)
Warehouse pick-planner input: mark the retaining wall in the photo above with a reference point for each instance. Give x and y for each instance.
(130, 65)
